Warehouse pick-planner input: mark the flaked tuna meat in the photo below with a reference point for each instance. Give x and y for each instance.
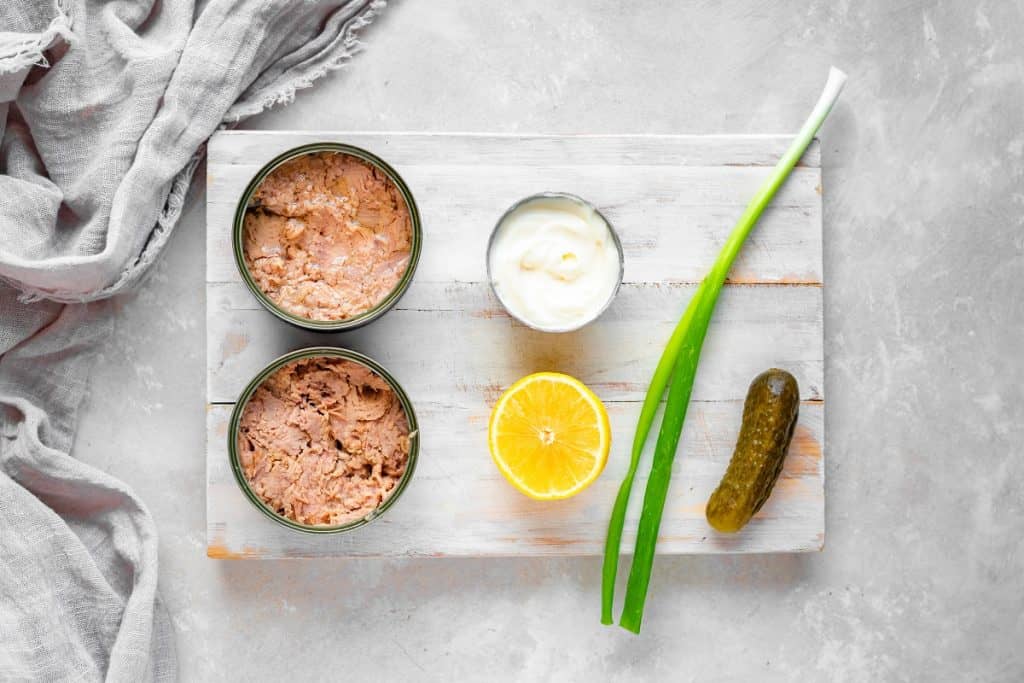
(329, 236)
(323, 441)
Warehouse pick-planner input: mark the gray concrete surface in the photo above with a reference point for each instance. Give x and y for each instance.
(922, 577)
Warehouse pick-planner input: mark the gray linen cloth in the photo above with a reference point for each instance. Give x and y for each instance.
(104, 110)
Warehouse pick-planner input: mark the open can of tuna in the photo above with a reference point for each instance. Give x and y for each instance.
(323, 440)
(327, 236)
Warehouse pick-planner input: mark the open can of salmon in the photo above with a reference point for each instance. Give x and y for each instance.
(327, 236)
(323, 440)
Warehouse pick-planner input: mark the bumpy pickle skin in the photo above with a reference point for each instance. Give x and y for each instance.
(769, 418)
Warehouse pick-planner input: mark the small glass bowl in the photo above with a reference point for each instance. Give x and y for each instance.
(319, 352)
(582, 202)
(328, 325)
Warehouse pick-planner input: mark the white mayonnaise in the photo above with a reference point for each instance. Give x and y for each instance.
(554, 263)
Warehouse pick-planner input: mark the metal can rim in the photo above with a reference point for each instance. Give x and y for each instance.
(333, 352)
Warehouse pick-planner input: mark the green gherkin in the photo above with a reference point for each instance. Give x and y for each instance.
(769, 417)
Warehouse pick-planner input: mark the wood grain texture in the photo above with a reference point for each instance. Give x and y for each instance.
(753, 328)
(459, 505)
(673, 199)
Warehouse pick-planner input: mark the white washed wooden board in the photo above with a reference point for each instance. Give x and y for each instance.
(673, 200)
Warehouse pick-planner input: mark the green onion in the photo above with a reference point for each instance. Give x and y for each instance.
(679, 363)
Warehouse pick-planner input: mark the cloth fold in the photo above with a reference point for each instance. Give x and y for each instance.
(104, 112)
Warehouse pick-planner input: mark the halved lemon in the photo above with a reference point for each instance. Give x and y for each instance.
(549, 435)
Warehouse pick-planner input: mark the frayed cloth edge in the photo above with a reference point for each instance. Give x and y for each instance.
(285, 93)
(175, 199)
(20, 51)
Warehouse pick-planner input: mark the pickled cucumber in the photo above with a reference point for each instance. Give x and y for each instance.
(769, 417)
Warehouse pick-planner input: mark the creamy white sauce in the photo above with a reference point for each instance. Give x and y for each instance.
(554, 263)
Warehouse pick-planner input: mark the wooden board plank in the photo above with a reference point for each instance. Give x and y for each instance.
(671, 220)
(231, 148)
(439, 515)
(753, 328)
(673, 200)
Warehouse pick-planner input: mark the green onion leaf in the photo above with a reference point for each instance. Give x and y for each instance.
(679, 363)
